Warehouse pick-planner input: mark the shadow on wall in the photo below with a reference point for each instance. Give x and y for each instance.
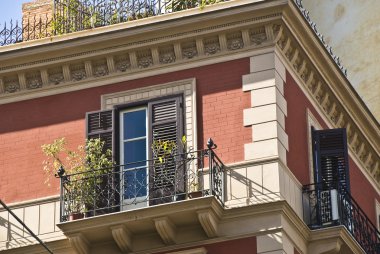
(12, 234)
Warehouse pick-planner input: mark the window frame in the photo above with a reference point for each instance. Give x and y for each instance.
(118, 110)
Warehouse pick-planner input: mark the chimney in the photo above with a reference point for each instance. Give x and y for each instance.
(36, 19)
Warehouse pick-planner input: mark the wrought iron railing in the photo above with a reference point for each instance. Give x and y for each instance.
(327, 205)
(76, 15)
(142, 184)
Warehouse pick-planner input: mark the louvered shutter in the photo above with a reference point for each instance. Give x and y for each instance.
(166, 123)
(331, 158)
(100, 124)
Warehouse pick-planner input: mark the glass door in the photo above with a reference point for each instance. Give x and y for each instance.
(133, 155)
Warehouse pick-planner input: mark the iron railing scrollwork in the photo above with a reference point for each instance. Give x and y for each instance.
(68, 16)
(141, 184)
(327, 205)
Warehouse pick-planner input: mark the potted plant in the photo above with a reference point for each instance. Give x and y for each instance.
(194, 191)
(83, 169)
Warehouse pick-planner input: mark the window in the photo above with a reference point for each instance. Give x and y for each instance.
(133, 154)
(142, 182)
(330, 158)
(331, 174)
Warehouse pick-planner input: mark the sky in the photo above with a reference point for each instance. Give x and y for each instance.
(10, 9)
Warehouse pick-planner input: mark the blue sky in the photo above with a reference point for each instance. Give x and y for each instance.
(10, 9)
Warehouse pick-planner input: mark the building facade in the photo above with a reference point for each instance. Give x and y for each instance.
(292, 165)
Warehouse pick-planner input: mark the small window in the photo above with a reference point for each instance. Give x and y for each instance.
(330, 158)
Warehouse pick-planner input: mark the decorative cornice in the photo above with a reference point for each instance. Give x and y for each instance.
(140, 56)
(328, 102)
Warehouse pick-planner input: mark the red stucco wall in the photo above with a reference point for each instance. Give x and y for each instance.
(26, 125)
(238, 246)
(298, 158)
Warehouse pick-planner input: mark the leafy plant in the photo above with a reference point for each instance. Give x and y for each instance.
(84, 168)
(165, 149)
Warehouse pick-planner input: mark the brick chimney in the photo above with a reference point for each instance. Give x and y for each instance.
(36, 18)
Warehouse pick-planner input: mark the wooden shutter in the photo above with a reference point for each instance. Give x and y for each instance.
(331, 158)
(100, 124)
(166, 123)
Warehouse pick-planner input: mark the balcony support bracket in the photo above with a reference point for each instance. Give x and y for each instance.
(122, 237)
(166, 229)
(79, 243)
(209, 222)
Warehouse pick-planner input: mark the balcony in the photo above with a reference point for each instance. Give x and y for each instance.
(327, 205)
(142, 184)
(68, 16)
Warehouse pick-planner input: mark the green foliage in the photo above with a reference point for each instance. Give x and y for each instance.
(85, 167)
(204, 3)
(165, 149)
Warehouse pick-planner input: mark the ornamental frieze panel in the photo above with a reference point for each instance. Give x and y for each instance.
(11, 84)
(235, 41)
(122, 62)
(55, 76)
(144, 59)
(167, 55)
(100, 68)
(211, 45)
(33, 80)
(78, 72)
(189, 49)
(258, 36)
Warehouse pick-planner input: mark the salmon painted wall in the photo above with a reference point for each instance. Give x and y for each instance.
(238, 246)
(26, 125)
(298, 157)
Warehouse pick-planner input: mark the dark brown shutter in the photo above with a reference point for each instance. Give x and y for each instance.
(166, 123)
(100, 124)
(331, 158)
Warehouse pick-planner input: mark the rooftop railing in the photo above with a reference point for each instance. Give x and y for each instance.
(142, 184)
(70, 16)
(327, 205)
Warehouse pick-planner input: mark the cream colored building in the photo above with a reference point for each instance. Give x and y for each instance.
(352, 28)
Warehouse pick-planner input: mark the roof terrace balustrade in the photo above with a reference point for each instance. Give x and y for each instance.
(328, 205)
(77, 15)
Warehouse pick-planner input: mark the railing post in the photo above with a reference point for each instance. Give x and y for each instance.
(210, 144)
(60, 174)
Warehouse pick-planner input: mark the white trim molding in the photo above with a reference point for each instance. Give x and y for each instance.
(187, 87)
(311, 122)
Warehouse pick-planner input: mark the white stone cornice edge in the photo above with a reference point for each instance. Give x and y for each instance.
(120, 63)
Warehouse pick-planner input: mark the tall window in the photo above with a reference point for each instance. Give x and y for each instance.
(133, 155)
(137, 127)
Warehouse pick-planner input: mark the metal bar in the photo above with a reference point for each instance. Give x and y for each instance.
(22, 223)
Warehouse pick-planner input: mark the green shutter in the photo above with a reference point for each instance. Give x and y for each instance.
(166, 123)
(100, 124)
(331, 158)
